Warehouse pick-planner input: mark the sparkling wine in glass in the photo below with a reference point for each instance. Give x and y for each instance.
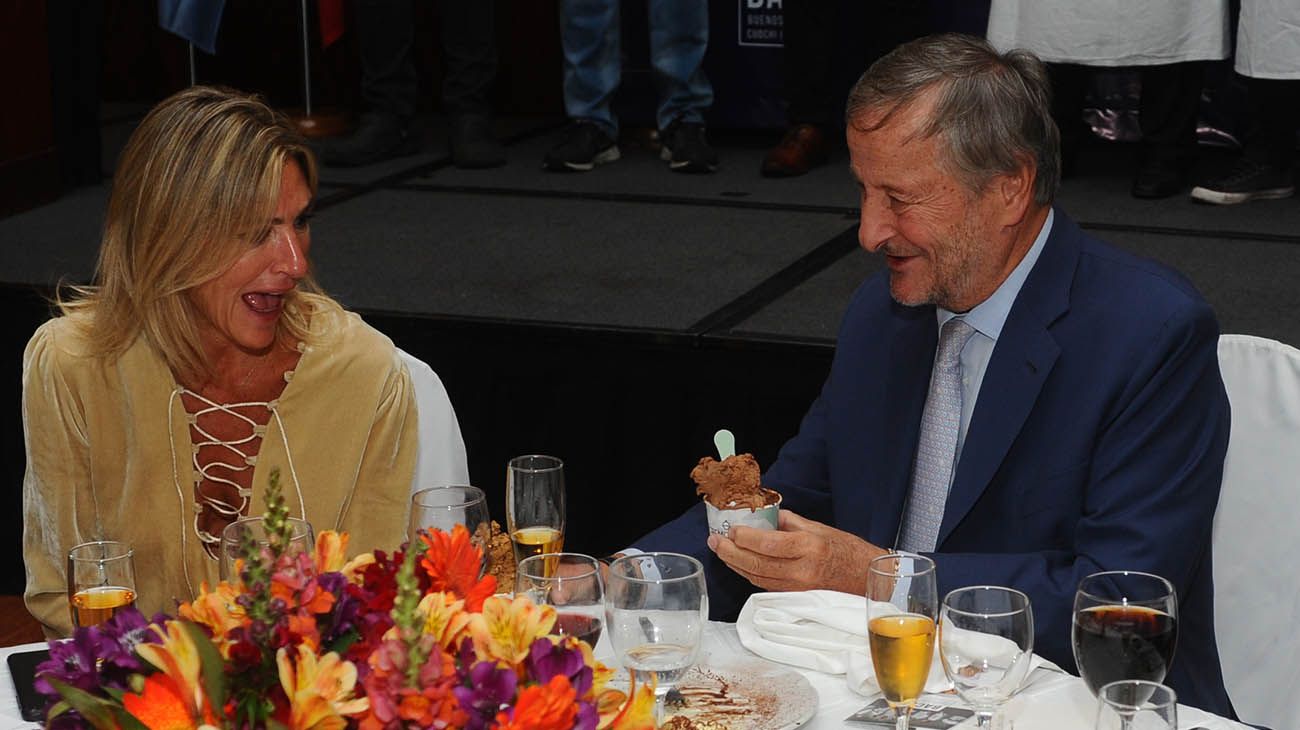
(101, 581)
(1136, 705)
(571, 583)
(443, 507)
(656, 606)
(986, 642)
(902, 600)
(303, 539)
(1125, 627)
(535, 505)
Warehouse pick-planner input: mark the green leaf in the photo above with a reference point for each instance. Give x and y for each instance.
(127, 721)
(97, 711)
(212, 665)
(340, 645)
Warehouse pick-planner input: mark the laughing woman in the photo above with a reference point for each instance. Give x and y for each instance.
(202, 357)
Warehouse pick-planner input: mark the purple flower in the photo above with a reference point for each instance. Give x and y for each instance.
(546, 660)
(121, 634)
(489, 687)
(587, 716)
(73, 662)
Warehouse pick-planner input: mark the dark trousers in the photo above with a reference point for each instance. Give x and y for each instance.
(1275, 114)
(386, 36)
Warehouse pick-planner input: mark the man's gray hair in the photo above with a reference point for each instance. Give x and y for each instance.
(992, 113)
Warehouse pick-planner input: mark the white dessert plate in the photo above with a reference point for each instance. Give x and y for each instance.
(746, 694)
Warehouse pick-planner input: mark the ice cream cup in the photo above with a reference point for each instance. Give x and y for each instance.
(722, 520)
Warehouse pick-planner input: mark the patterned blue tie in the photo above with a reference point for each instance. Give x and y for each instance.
(937, 449)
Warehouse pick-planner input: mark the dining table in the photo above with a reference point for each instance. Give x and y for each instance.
(1050, 700)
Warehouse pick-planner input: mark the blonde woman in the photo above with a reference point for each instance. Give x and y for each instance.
(202, 357)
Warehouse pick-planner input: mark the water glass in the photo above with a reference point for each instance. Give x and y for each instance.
(443, 507)
(1136, 704)
(986, 642)
(302, 539)
(101, 581)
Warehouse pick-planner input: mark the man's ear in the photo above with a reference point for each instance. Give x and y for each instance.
(1015, 190)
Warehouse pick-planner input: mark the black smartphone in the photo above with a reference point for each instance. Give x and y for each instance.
(22, 667)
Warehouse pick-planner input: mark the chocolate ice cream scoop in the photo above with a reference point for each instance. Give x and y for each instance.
(732, 483)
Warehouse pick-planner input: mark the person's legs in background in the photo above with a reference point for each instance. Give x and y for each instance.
(679, 36)
(1264, 170)
(809, 87)
(389, 86)
(1167, 108)
(589, 34)
(1069, 90)
(469, 51)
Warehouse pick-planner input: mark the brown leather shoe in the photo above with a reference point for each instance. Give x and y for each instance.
(802, 148)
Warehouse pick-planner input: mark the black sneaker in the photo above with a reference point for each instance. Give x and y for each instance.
(378, 137)
(686, 149)
(1248, 180)
(582, 147)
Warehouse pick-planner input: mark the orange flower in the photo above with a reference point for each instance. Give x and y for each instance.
(178, 658)
(161, 705)
(452, 563)
(506, 629)
(552, 706)
(445, 619)
(319, 690)
(636, 713)
(217, 609)
(331, 547)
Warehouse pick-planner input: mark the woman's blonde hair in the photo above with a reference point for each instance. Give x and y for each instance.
(197, 184)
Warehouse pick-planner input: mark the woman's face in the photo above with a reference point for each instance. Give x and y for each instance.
(241, 308)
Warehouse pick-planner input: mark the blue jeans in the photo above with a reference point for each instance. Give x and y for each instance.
(679, 35)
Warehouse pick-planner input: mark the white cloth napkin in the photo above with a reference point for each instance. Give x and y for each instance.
(821, 630)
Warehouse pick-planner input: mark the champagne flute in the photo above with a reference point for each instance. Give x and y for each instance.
(571, 583)
(445, 506)
(656, 606)
(303, 539)
(986, 642)
(901, 602)
(1136, 704)
(101, 581)
(535, 505)
(1125, 627)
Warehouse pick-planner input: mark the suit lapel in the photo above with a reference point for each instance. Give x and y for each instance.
(912, 342)
(1022, 360)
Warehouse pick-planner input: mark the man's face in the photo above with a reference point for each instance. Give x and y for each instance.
(940, 241)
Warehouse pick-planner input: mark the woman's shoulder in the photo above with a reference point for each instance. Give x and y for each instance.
(348, 338)
(61, 340)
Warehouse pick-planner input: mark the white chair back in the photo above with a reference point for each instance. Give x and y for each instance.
(1256, 536)
(441, 457)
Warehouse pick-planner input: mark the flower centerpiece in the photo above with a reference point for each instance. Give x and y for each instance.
(415, 639)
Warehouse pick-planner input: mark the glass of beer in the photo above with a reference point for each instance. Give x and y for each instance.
(233, 536)
(902, 600)
(101, 581)
(535, 505)
(443, 507)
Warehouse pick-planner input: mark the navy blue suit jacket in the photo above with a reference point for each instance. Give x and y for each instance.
(1096, 443)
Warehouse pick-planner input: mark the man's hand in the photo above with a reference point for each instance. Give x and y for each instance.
(801, 555)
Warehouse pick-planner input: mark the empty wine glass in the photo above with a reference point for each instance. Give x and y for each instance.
(101, 581)
(901, 604)
(656, 606)
(445, 506)
(571, 583)
(1136, 704)
(1125, 627)
(535, 505)
(986, 642)
(232, 537)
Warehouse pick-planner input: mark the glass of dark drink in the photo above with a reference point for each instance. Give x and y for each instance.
(1125, 628)
(571, 583)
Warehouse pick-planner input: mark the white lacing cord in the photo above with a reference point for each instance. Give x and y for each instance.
(202, 471)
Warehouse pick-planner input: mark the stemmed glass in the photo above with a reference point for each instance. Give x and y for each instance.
(101, 581)
(1136, 705)
(1125, 627)
(445, 506)
(901, 603)
(986, 642)
(234, 534)
(535, 505)
(656, 606)
(571, 583)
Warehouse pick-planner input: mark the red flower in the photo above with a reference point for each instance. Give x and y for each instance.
(552, 706)
(452, 563)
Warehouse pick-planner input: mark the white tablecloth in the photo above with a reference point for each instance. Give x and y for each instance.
(1056, 702)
